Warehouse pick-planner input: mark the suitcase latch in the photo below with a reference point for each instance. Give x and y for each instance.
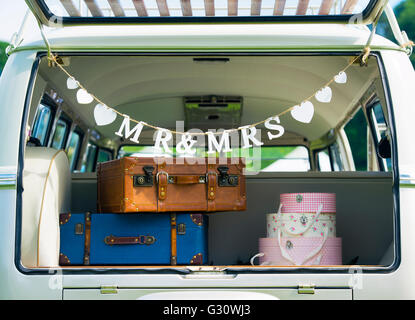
(181, 228)
(144, 180)
(225, 179)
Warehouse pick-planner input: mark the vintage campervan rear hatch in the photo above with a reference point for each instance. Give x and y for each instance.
(331, 133)
(338, 151)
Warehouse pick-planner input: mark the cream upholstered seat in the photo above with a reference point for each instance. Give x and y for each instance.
(47, 193)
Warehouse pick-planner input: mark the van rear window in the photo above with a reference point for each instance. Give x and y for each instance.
(264, 159)
(198, 8)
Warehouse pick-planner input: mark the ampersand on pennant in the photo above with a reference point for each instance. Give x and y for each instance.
(185, 146)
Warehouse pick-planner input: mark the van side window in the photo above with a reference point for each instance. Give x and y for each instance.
(379, 130)
(357, 133)
(104, 155)
(42, 123)
(93, 156)
(324, 161)
(336, 157)
(88, 164)
(73, 148)
(60, 135)
(330, 159)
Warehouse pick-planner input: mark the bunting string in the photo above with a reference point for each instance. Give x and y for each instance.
(54, 59)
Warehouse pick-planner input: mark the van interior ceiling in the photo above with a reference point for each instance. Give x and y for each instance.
(154, 89)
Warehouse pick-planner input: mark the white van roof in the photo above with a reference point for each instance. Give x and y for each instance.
(209, 37)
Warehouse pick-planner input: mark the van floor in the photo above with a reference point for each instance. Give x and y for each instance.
(364, 216)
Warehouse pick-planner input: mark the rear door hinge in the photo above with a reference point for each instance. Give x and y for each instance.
(306, 289)
(109, 289)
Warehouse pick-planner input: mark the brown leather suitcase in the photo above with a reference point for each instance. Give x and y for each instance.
(134, 184)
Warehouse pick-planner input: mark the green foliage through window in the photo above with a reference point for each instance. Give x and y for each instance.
(59, 135)
(73, 149)
(42, 123)
(356, 131)
(3, 57)
(266, 158)
(405, 14)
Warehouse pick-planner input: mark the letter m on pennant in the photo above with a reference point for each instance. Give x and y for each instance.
(136, 131)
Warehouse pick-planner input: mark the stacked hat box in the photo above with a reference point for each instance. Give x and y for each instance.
(302, 232)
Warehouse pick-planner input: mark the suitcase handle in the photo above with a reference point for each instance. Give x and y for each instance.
(187, 179)
(182, 179)
(110, 240)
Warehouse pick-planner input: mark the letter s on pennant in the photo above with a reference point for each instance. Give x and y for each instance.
(271, 126)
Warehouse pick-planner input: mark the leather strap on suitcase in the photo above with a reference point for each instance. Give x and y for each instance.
(152, 185)
(173, 255)
(87, 249)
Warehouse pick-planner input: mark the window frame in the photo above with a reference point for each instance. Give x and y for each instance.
(293, 271)
(77, 153)
(108, 150)
(47, 102)
(94, 160)
(359, 107)
(315, 155)
(369, 105)
(47, 17)
(64, 118)
(96, 156)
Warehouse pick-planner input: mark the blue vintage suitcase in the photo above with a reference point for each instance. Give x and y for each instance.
(133, 239)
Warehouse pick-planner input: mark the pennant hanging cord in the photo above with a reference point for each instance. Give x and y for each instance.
(54, 60)
(45, 39)
(408, 46)
(366, 49)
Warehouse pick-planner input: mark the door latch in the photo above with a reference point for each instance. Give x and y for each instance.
(109, 289)
(306, 289)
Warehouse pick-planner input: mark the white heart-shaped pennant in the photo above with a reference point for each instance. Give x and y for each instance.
(104, 115)
(324, 95)
(71, 83)
(303, 112)
(84, 97)
(341, 77)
